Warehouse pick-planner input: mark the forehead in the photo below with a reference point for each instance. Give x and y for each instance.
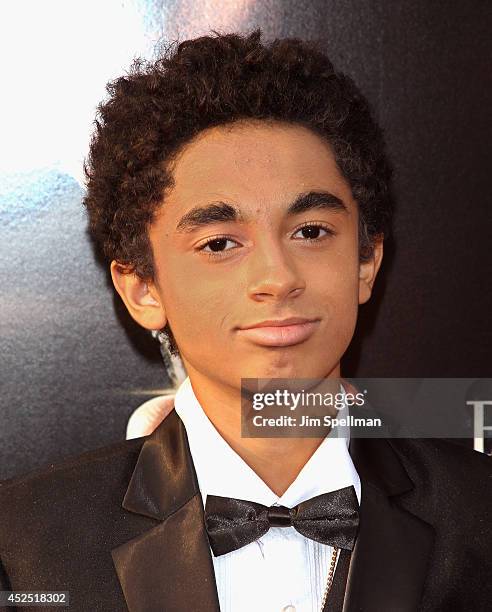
(261, 161)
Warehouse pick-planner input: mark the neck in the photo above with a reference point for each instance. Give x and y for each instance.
(277, 461)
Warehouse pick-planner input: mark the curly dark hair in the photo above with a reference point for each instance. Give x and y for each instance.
(159, 106)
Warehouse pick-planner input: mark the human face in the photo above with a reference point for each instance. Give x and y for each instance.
(238, 241)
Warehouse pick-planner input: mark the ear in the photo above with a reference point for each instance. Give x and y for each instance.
(368, 271)
(139, 296)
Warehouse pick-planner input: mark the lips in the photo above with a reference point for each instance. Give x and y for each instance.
(286, 332)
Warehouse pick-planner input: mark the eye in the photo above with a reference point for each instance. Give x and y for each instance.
(215, 247)
(312, 231)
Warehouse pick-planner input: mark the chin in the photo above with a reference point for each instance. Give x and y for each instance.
(289, 366)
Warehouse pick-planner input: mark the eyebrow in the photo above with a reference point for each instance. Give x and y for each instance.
(221, 212)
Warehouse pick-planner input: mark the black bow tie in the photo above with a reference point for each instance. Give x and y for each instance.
(331, 518)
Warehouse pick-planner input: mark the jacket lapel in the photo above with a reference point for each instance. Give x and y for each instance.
(168, 567)
(390, 558)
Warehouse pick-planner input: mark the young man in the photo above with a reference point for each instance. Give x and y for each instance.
(241, 193)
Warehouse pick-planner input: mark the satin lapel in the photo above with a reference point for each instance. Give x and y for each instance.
(168, 567)
(389, 562)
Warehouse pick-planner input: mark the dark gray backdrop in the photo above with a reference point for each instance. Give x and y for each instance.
(74, 366)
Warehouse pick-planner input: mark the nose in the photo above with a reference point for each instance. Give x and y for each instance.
(273, 274)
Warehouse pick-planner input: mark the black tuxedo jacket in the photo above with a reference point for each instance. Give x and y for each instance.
(122, 529)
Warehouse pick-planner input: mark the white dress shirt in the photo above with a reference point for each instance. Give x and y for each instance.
(283, 568)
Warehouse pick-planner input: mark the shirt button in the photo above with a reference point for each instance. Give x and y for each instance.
(289, 609)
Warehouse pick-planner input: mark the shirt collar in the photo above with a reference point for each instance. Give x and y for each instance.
(221, 471)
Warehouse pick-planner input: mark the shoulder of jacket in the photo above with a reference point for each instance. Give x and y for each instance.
(447, 468)
(74, 466)
(441, 450)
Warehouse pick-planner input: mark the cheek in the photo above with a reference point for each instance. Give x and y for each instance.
(195, 304)
(337, 289)
(337, 278)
